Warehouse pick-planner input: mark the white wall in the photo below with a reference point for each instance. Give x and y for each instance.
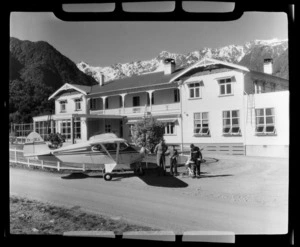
(214, 104)
(278, 144)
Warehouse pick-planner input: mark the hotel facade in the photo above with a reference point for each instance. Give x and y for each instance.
(219, 106)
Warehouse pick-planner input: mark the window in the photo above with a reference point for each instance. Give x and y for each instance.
(136, 101)
(176, 95)
(201, 124)
(77, 128)
(65, 128)
(77, 104)
(194, 89)
(63, 106)
(41, 127)
(265, 121)
(93, 104)
(231, 123)
(107, 128)
(106, 103)
(225, 86)
(170, 129)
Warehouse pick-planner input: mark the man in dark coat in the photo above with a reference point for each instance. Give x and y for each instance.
(196, 157)
(173, 161)
(160, 150)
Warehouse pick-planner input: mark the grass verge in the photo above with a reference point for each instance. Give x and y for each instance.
(35, 217)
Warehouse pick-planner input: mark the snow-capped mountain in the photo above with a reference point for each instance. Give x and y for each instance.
(250, 54)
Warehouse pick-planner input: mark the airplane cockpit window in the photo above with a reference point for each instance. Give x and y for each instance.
(97, 148)
(111, 146)
(123, 145)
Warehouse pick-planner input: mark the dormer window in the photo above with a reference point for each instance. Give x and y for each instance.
(63, 105)
(195, 90)
(77, 104)
(226, 86)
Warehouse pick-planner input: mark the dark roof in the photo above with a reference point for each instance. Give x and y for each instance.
(145, 81)
(264, 76)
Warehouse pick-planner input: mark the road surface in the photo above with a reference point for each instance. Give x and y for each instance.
(239, 194)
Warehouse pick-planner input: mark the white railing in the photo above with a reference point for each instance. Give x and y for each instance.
(96, 111)
(138, 109)
(16, 156)
(166, 107)
(117, 111)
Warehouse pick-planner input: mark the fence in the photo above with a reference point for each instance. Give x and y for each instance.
(16, 156)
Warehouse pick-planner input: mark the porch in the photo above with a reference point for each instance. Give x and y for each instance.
(137, 103)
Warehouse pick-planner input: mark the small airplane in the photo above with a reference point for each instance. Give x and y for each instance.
(105, 151)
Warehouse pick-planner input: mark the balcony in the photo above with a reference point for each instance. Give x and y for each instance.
(139, 110)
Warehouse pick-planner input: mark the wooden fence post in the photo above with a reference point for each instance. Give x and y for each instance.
(16, 160)
(28, 162)
(58, 165)
(42, 164)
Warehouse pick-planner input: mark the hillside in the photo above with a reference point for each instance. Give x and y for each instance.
(250, 54)
(37, 69)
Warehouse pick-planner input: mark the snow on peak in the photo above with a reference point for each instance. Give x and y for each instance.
(229, 53)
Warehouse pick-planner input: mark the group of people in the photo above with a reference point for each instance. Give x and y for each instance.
(161, 150)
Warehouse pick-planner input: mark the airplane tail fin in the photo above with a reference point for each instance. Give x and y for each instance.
(35, 145)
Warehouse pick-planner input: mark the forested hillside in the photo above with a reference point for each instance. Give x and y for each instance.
(37, 69)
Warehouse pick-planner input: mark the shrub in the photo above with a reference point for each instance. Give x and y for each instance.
(147, 133)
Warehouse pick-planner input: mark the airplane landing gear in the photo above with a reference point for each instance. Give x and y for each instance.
(107, 176)
(140, 171)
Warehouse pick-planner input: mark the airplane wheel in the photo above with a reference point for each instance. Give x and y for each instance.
(107, 176)
(141, 172)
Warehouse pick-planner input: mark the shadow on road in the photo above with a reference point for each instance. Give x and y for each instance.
(215, 176)
(150, 178)
(75, 175)
(163, 181)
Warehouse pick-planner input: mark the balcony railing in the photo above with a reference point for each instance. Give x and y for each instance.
(138, 109)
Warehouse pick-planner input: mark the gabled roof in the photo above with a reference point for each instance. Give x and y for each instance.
(80, 88)
(135, 83)
(208, 62)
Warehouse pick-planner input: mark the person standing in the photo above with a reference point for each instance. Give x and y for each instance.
(173, 161)
(160, 150)
(196, 157)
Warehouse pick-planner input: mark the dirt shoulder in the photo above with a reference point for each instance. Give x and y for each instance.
(34, 217)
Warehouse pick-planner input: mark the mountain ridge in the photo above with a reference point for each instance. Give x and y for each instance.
(250, 55)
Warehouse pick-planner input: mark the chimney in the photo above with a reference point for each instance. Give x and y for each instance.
(268, 66)
(101, 79)
(169, 66)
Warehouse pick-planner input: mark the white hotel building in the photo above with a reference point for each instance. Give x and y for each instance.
(218, 106)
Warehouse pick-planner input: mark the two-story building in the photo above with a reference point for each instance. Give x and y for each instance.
(219, 106)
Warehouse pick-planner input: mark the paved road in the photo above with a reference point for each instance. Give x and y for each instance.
(168, 203)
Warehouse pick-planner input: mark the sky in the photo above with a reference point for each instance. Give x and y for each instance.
(107, 43)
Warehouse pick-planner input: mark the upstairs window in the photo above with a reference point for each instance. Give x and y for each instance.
(201, 124)
(136, 101)
(106, 103)
(194, 89)
(231, 123)
(226, 87)
(176, 95)
(77, 104)
(93, 104)
(265, 121)
(63, 106)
